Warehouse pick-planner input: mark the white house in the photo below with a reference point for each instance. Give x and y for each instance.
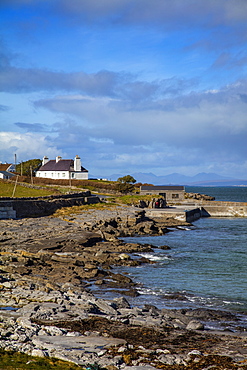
(6, 170)
(62, 169)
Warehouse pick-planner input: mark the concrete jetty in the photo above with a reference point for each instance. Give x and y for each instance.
(181, 212)
(190, 212)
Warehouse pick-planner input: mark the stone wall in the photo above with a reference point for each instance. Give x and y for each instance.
(178, 213)
(7, 212)
(192, 215)
(42, 206)
(224, 209)
(190, 212)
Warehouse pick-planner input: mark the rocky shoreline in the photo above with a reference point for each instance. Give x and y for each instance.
(48, 267)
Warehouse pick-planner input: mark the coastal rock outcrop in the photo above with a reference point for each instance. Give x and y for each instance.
(78, 327)
(198, 196)
(49, 270)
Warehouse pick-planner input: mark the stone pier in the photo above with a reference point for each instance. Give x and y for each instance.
(223, 209)
(190, 212)
(181, 213)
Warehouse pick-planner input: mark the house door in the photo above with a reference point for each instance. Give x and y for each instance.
(163, 195)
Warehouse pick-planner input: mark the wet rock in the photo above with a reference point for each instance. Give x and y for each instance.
(119, 303)
(210, 314)
(198, 196)
(105, 308)
(124, 256)
(165, 247)
(151, 309)
(195, 325)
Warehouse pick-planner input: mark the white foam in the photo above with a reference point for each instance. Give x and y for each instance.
(153, 257)
(147, 291)
(233, 302)
(184, 228)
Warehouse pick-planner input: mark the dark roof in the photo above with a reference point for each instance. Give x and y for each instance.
(62, 165)
(8, 174)
(162, 187)
(4, 167)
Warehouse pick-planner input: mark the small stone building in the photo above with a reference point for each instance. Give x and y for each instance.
(169, 193)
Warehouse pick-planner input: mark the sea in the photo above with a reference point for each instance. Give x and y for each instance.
(205, 267)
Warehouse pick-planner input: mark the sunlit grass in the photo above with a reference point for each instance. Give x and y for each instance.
(75, 210)
(131, 199)
(7, 189)
(10, 360)
(111, 203)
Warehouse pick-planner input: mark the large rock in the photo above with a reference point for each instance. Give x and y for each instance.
(195, 325)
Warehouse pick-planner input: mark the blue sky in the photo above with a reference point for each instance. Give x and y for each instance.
(129, 85)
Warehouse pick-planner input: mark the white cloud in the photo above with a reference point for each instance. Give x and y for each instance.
(209, 134)
(117, 120)
(215, 117)
(25, 146)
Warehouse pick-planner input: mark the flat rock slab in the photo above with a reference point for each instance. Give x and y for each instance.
(84, 343)
(140, 367)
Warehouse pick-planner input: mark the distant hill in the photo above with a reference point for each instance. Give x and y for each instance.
(203, 179)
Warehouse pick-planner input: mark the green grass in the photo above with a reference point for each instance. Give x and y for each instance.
(10, 360)
(69, 211)
(112, 203)
(131, 199)
(88, 187)
(6, 190)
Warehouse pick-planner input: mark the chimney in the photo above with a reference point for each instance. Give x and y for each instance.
(58, 158)
(45, 160)
(77, 163)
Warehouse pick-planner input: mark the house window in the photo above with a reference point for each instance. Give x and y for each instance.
(72, 175)
(175, 196)
(58, 175)
(63, 174)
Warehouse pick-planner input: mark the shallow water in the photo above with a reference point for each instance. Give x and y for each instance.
(207, 265)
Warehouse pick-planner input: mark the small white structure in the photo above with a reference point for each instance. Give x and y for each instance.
(6, 170)
(59, 168)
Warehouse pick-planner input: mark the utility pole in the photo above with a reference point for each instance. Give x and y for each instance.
(31, 174)
(15, 186)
